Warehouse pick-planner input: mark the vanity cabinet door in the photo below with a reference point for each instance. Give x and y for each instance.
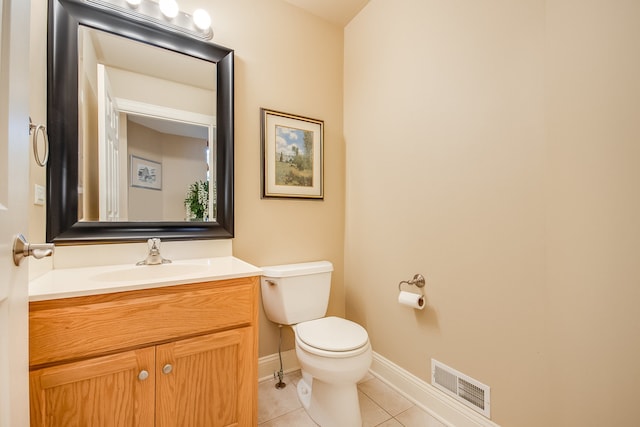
(207, 381)
(114, 390)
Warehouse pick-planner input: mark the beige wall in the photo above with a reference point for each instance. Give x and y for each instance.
(290, 61)
(593, 257)
(493, 147)
(286, 60)
(38, 113)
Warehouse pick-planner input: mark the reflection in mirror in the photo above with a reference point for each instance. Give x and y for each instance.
(146, 131)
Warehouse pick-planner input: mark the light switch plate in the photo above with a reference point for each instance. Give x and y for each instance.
(39, 195)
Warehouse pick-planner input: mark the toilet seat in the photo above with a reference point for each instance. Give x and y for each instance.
(332, 337)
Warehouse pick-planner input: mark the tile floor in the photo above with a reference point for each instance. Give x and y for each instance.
(380, 406)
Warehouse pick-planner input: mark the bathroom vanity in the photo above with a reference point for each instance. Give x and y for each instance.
(176, 349)
(167, 345)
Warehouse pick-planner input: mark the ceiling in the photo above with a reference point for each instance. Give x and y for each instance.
(339, 12)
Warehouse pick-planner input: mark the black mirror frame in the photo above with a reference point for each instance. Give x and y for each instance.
(63, 226)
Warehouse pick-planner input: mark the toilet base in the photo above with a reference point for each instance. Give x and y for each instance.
(330, 405)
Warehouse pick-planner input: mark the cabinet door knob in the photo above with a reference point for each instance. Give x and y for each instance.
(143, 375)
(166, 369)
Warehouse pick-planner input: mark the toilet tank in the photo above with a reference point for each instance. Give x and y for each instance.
(294, 293)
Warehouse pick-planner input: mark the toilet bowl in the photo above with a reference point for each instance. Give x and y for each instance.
(334, 353)
(331, 369)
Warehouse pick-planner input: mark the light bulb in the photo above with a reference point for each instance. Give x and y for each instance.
(201, 19)
(134, 3)
(169, 8)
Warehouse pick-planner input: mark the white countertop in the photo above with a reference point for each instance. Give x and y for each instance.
(74, 282)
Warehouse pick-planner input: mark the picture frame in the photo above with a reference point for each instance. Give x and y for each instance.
(292, 149)
(145, 173)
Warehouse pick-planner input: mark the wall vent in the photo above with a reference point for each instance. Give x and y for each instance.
(461, 387)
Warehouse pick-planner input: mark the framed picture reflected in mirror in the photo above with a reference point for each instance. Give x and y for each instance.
(145, 173)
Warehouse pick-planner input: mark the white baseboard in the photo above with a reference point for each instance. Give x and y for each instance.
(267, 365)
(426, 396)
(449, 411)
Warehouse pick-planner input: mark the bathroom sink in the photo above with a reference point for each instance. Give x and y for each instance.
(150, 272)
(83, 281)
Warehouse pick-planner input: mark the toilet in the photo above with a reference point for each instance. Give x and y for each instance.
(334, 353)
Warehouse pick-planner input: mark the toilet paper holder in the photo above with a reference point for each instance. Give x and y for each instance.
(418, 280)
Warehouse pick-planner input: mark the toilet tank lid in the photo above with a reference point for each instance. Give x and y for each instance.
(300, 269)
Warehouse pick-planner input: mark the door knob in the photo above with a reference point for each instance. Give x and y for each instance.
(22, 249)
(143, 375)
(166, 369)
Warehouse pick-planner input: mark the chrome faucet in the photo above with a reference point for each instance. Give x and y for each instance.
(154, 257)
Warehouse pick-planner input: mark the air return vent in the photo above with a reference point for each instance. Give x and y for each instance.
(472, 393)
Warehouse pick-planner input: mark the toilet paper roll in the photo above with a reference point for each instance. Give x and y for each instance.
(411, 300)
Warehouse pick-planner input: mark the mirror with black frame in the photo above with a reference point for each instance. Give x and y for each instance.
(140, 123)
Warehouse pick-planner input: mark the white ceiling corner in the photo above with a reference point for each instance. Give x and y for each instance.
(339, 12)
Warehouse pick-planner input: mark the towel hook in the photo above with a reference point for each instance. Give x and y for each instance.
(33, 128)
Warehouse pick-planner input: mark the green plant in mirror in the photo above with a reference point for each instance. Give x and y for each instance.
(197, 201)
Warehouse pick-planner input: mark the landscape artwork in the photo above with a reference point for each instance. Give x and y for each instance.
(294, 157)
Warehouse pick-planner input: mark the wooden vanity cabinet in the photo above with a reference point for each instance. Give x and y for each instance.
(176, 356)
(102, 391)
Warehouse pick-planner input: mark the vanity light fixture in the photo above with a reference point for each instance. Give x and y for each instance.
(164, 13)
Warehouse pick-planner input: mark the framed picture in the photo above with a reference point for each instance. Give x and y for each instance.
(146, 173)
(292, 156)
